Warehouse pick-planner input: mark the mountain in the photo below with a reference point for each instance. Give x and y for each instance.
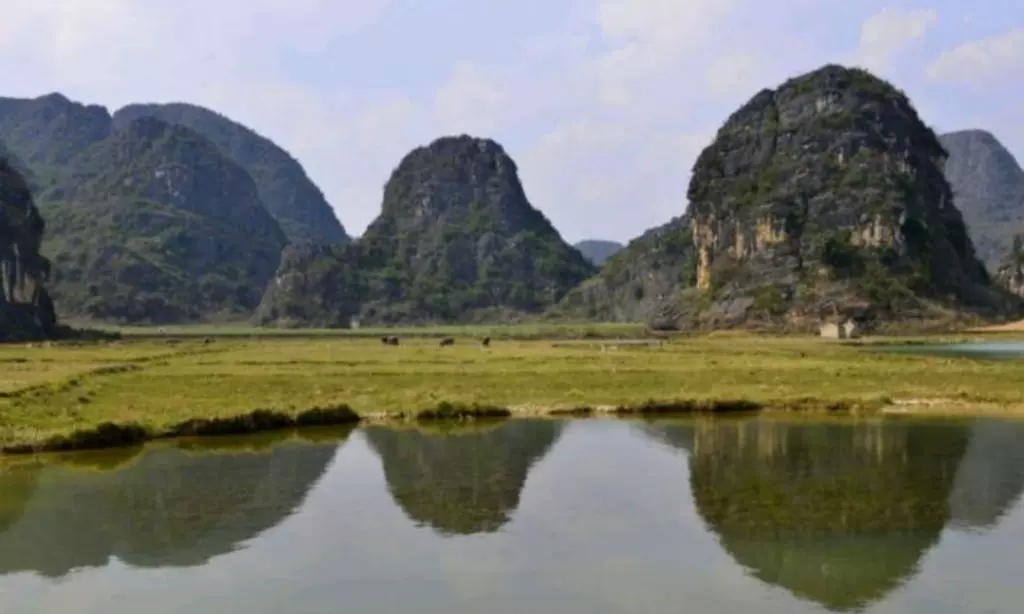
(641, 282)
(456, 240)
(285, 190)
(826, 197)
(48, 131)
(26, 310)
(988, 189)
(597, 251)
(154, 224)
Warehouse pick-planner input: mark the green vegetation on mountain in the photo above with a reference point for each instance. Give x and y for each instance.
(988, 189)
(154, 224)
(456, 240)
(597, 251)
(288, 194)
(642, 282)
(827, 197)
(49, 131)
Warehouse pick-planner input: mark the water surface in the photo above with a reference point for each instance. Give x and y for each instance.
(974, 349)
(761, 514)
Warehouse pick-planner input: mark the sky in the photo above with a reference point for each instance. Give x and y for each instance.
(603, 104)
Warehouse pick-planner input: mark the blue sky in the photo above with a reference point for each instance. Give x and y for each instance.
(604, 104)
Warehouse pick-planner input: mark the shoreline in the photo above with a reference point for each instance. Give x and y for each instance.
(111, 435)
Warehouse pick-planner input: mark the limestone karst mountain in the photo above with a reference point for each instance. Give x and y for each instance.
(457, 240)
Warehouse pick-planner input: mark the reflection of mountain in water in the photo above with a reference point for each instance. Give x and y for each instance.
(835, 513)
(168, 507)
(991, 477)
(467, 481)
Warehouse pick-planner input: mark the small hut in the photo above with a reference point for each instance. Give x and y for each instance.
(839, 328)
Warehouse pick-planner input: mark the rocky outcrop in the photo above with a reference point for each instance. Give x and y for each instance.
(285, 190)
(1010, 274)
(988, 189)
(155, 225)
(26, 310)
(827, 196)
(456, 241)
(641, 283)
(598, 251)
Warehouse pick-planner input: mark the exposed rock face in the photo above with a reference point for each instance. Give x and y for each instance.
(988, 189)
(456, 240)
(827, 196)
(285, 190)
(155, 224)
(597, 251)
(642, 282)
(26, 310)
(1010, 274)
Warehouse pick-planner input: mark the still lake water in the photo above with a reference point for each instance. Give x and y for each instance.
(714, 515)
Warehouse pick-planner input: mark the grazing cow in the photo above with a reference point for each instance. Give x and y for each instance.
(486, 342)
(393, 340)
(385, 340)
(447, 341)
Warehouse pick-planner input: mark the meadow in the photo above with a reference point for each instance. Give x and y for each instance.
(63, 395)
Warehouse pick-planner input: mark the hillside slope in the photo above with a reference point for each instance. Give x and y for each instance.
(285, 190)
(155, 224)
(988, 189)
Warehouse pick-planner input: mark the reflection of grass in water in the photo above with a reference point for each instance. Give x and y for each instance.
(835, 513)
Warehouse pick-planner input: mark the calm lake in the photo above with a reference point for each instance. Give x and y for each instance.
(592, 516)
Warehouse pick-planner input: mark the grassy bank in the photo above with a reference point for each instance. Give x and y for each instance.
(57, 396)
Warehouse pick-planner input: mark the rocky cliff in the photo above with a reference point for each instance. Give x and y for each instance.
(456, 240)
(154, 224)
(26, 310)
(285, 190)
(827, 196)
(643, 282)
(597, 251)
(1010, 274)
(988, 189)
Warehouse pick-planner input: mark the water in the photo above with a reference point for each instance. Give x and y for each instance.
(718, 516)
(978, 349)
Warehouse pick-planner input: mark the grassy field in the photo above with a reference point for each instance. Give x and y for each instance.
(51, 391)
(522, 332)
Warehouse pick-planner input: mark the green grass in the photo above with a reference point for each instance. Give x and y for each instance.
(506, 331)
(194, 386)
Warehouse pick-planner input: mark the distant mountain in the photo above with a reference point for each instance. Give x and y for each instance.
(988, 189)
(456, 240)
(286, 191)
(155, 224)
(597, 251)
(48, 131)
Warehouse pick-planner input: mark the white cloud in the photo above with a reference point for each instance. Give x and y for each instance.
(887, 33)
(976, 61)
